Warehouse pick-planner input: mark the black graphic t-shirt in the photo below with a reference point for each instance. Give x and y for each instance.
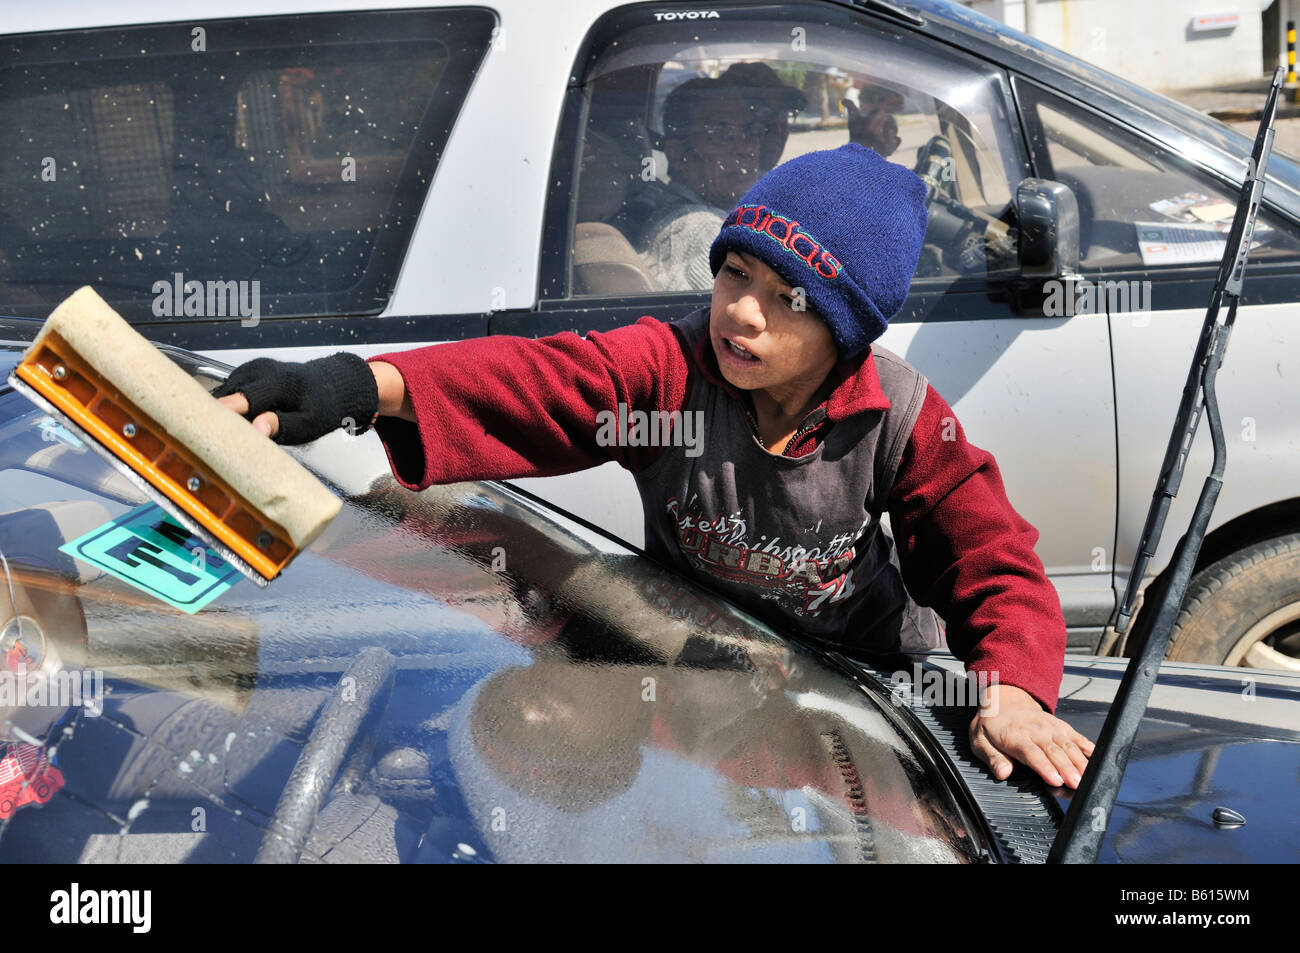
(800, 541)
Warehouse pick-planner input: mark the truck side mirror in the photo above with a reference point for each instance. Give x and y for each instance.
(1049, 229)
(1048, 245)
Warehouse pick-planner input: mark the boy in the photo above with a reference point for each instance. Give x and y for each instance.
(809, 437)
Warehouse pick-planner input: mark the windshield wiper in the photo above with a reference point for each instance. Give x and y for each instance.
(1090, 808)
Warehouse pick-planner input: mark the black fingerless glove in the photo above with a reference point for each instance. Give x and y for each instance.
(311, 399)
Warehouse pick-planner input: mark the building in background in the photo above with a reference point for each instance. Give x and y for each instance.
(1161, 44)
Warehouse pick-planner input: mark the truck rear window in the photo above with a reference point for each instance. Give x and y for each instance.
(281, 160)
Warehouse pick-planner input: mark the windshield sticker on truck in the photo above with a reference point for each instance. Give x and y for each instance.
(149, 549)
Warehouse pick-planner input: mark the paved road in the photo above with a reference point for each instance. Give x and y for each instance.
(915, 133)
(1286, 137)
(1241, 96)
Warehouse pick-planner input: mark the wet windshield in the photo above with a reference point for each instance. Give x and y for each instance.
(444, 675)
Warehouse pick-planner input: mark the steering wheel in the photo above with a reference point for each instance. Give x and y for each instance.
(361, 695)
(957, 232)
(935, 166)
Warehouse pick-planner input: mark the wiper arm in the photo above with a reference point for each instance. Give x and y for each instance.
(1090, 808)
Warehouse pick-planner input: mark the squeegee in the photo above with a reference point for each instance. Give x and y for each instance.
(226, 482)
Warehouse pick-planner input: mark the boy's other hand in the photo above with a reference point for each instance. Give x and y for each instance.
(1012, 725)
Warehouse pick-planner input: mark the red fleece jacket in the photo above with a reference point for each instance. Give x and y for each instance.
(504, 407)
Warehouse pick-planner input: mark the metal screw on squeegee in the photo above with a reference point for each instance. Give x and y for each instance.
(59, 372)
(128, 429)
(193, 484)
(263, 539)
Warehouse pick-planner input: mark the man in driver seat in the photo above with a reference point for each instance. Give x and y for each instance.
(712, 141)
(810, 437)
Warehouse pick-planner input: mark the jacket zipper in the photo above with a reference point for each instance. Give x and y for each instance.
(794, 440)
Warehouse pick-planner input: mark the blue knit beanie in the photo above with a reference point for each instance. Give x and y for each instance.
(843, 224)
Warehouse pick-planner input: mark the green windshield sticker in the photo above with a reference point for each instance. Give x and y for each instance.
(149, 549)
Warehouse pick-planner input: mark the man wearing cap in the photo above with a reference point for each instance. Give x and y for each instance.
(719, 136)
(712, 141)
(770, 102)
(811, 436)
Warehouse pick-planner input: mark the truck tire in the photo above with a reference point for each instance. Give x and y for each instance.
(1244, 610)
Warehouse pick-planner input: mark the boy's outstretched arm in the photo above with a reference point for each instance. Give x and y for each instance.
(503, 407)
(965, 551)
(394, 401)
(482, 409)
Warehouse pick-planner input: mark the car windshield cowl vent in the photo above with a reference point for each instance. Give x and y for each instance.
(1021, 811)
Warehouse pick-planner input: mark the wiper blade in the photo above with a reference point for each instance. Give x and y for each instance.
(1090, 808)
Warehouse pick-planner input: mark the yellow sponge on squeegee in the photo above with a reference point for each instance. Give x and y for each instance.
(96, 371)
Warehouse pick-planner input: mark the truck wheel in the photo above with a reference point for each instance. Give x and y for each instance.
(7, 807)
(1244, 610)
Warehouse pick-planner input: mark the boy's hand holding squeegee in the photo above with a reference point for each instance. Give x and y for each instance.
(297, 403)
(234, 489)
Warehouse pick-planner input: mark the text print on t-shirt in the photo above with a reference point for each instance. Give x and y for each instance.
(814, 576)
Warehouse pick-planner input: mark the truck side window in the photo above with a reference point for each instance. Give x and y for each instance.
(1139, 205)
(682, 117)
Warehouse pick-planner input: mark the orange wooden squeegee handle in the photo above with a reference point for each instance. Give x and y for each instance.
(99, 408)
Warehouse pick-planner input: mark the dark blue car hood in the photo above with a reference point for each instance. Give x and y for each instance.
(1212, 737)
